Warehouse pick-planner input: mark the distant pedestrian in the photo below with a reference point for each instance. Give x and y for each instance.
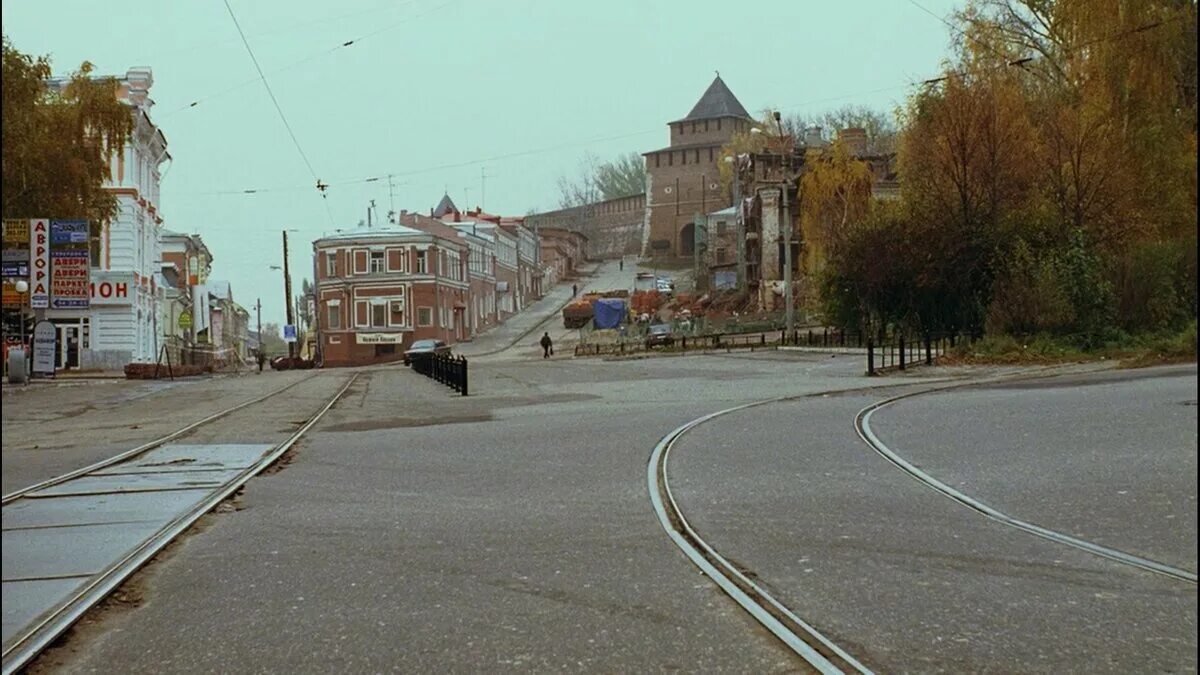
(261, 358)
(621, 264)
(547, 345)
(574, 290)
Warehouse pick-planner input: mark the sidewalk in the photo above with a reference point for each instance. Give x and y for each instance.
(526, 321)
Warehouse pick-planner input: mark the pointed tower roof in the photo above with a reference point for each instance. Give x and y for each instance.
(717, 101)
(445, 206)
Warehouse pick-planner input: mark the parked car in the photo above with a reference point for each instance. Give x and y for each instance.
(659, 334)
(424, 348)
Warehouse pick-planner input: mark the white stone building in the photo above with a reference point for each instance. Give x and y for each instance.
(123, 323)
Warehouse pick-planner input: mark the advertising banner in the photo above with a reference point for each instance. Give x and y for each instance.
(39, 272)
(64, 233)
(69, 279)
(14, 269)
(16, 233)
(112, 288)
(13, 299)
(45, 346)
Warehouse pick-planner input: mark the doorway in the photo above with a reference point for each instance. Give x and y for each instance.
(69, 343)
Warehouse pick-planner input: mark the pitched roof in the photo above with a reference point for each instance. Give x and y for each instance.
(445, 206)
(717, 101)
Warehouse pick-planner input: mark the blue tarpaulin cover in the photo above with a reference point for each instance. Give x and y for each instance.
(608, 312)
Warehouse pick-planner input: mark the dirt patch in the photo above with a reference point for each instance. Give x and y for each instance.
(282, 463)
(408, 422)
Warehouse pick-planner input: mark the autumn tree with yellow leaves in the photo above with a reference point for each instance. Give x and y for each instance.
(57, 145)
(1056, 156)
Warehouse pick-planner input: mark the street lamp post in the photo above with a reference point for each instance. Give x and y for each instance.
(22, 289)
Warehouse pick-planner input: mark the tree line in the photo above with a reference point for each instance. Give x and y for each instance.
(1048, 182)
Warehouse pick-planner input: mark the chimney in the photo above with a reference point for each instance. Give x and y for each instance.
(403, 212)
(855, 139)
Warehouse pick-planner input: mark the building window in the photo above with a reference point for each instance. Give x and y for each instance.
(362, 315)
(397, 312)
(695, 127)
(360, 262)
(710, 155)
(422, 262)
(424, 316)
(671, 158)
(378, 315)
(706, 125)
(718, 124)
(378, 262)
(333, 319)
(330, 264)
(683, 156)
(335, 339)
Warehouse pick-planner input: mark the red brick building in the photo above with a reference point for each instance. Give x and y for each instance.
(381, 289)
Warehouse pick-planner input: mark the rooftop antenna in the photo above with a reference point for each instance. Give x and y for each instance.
(391, 202)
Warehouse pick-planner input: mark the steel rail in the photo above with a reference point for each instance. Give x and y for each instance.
(862, 424)
(35, 639)
(141, 449)
(805, 641)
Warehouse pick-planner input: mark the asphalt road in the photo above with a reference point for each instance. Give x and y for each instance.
(418, 530)
(52, 429)
(909, 581)
(1108, 457)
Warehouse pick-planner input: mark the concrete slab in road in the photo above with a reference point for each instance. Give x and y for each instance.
(25, 601)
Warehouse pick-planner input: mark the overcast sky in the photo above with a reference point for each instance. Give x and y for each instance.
(433, 91)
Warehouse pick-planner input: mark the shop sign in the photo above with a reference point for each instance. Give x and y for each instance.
(109, 288)
(15, 254)
(65, 233)
(13, 299)
(14, 269)
(16, 233)
(45, 344)
(379, 338)
(39, 273)
(185, 319)
(69, 282)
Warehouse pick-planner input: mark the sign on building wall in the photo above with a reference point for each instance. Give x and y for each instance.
(379, 338)
(16, 233)
(69, 279)
(39, 274)
(66, 233)
(111, 288)
(289, 333)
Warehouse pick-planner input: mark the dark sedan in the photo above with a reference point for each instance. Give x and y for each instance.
(425, 348)
(659, 334)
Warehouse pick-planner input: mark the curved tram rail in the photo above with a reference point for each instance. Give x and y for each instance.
(33, 639)
(862, 424)
(804, 640)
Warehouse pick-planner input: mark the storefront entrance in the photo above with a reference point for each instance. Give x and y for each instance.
(70, 341)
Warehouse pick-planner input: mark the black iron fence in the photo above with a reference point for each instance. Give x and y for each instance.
(447, 369)
(902, 351)
(823, 337)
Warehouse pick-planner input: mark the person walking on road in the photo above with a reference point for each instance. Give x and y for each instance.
(547, 345)
(574, 290)
(261, 358)
(621, 265)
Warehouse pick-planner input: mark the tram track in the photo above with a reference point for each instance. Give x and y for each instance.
(35, 637)
(805, 641)
(862, 425)
(142, 449)
(817, 650)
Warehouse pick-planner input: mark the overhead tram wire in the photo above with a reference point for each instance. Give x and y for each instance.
(1020, 63)
(311, 57)
(279, 108)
